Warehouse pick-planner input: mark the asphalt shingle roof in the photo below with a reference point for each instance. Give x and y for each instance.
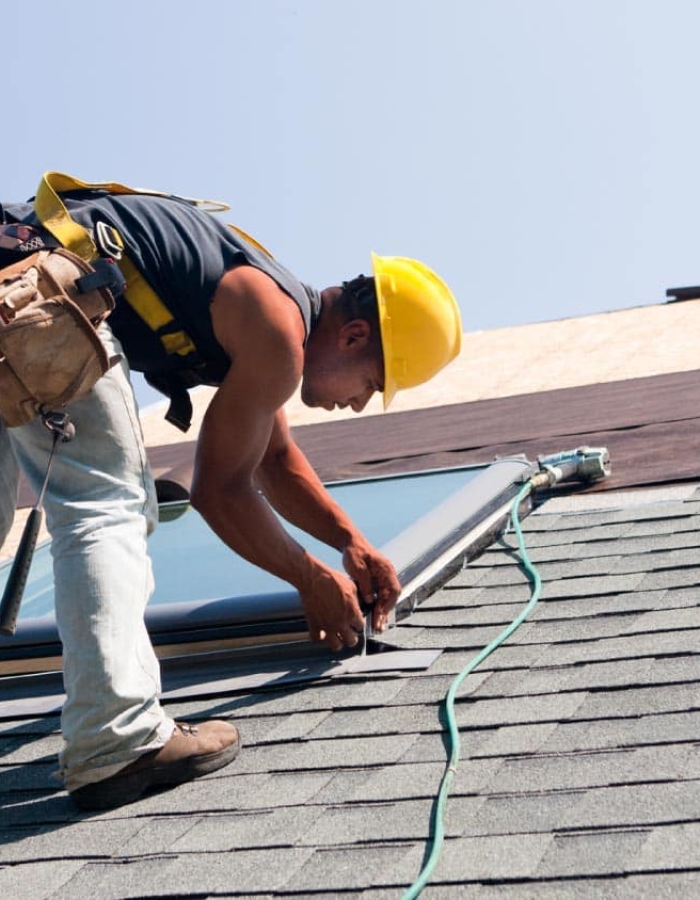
(580, 768)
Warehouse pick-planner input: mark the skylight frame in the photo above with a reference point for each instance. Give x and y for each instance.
(425, 554)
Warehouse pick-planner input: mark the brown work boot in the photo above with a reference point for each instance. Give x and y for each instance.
(192, 750)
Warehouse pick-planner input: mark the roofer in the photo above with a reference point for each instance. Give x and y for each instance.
(214, 308)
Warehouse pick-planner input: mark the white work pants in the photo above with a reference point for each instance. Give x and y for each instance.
(100, 505)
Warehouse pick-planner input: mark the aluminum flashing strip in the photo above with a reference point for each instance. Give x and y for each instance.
(468, 518)
(267, 667)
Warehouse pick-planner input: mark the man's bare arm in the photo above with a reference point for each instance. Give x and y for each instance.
(262, 331)
(295, 490)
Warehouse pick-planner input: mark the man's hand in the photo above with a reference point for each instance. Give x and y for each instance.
(330, 604)
(376, 579)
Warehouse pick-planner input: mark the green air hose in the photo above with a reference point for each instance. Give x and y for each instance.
(441, 800)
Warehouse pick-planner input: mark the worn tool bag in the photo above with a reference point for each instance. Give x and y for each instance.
(50, 353)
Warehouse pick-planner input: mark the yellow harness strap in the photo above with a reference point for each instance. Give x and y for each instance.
(54, 216)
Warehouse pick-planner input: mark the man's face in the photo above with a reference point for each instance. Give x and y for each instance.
(342, 374)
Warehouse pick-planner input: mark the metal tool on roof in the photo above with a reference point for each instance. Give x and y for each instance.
(63, 430)
(366, 634)
(362, 657)
(583, 464)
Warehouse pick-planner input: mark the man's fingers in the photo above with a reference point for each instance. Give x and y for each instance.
(336, 641)
(379, 619)
(352, 639)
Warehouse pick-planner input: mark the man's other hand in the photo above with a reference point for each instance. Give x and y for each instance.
(331, 608)
(376, 579)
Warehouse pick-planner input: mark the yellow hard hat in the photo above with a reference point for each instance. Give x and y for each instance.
(419, 322)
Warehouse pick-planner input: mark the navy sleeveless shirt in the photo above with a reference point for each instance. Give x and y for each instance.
(182, 251)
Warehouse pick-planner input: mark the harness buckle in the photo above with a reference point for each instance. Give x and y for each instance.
(109, 241)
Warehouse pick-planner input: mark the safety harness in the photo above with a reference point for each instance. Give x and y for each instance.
(103, 248)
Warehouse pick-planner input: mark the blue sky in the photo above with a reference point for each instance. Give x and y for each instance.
(542, 155)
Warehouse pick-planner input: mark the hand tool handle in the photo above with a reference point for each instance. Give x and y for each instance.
(14, 589)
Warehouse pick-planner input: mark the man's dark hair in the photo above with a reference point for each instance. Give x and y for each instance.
(359, 301)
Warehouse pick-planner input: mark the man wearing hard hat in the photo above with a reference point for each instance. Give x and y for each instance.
(196, 302)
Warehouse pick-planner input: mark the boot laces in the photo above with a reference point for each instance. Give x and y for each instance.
(187, 729)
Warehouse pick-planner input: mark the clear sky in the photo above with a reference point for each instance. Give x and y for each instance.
(541, 155)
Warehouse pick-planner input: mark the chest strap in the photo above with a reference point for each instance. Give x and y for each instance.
(54, 216)
(52, 213)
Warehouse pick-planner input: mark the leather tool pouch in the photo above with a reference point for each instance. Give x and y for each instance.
(50, 353)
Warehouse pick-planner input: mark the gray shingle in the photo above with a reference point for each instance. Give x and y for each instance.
(157, 835)
(296, 725)
(597, 550)
(433, 747)
(671, 847)
(624, 672)
(343, 869)
(186, 875)
(39, 749)
(294, 788)
(447, 638)
(638, 804)
(32, 728)
(37, 879)
(592, 854)
(325, 754)
(640, 701)
(624, 647)
(545, 533)
(515, 710)
(430, 688)
(508, 740)
(492, 857)
(579, 770)
(621, 732)
(524, 814)
(34, 808)
(665, 526)
(656, 560)
(462, 642)
(691, 769)
(80, 840)
(33, 776)
(666, 620)
(414, 780)
(282, 827)
(671, 578)
(401, 820)
(636, 602)
(564, 631)
(389, 720)
(620, 887)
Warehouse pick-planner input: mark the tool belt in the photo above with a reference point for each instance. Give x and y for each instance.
(51, 304)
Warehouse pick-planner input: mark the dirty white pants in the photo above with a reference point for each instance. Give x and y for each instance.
(100, 505)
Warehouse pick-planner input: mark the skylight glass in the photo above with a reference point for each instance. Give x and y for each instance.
(191, 564)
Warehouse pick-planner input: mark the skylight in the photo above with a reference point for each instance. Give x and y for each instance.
(209, 600)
